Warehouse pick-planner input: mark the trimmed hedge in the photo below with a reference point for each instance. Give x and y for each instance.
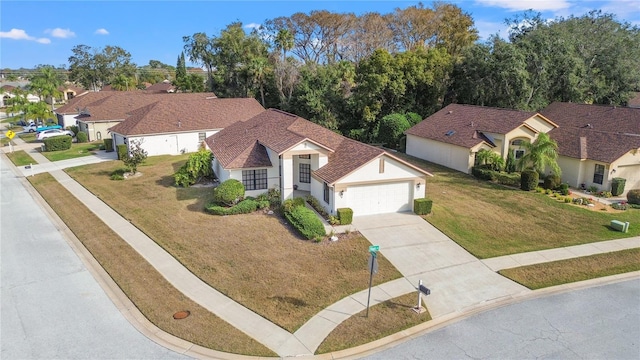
(422, 206)
(482, 173)
(245, 206)
(82, 137)
(123, 152)
(512, 179)
(108, 145)
(633, 196)
(552, 181)
(617, 185)
(306, 222)
(529, 180)
(229, 193)
(345, 215)
(57, 143)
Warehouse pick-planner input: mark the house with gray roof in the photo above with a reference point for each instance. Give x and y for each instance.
(275, 149)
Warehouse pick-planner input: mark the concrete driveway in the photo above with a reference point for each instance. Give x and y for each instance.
(419, 251)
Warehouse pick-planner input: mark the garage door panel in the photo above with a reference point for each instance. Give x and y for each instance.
(380, 198)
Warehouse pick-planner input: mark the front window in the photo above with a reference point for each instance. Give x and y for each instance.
(307, 156)
(254, 179)
(326, 193)
(201, 137)
(518, 153)
(598, 174)
(305, 173)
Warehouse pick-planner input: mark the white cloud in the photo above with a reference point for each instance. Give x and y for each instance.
(252, 26)
(488, 28)
(60, 33)
(536, 5)
(102, 31)
(19, 34)
(626, 10)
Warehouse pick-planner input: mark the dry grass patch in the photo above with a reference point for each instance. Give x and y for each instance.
(148, 290)
(255, 259)
(20, 158)
(578, 269)
(492, 220)
(384, 319)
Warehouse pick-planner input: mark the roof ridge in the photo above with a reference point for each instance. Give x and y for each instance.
(492, 107)
(283, 112)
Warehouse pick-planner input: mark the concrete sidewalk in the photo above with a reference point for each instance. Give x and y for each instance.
(543, 256)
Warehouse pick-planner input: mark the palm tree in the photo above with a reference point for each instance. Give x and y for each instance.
(258, 68)
(540, 154)
(284, 42)
(46, 83)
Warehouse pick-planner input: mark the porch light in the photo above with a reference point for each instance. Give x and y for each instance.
(341, 193)
(418, 186)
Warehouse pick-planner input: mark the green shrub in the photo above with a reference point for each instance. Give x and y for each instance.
(620, 206)
(82, 137)
(633, 196)
(508, 179)
(392, 127)
(289, 204)
(117, 177)
(592, 189)
(245, 206)
(122, 151)
(345, 215)
(552, 181)
(617, 185)
(197, 167)
(73, 128)
(108, 145)
(529, 180)
(306, 222)
(483, 173)
(315, 204)
(229, 193)
(422, 206)
(567, 199)
(548, 191)
(57, 143)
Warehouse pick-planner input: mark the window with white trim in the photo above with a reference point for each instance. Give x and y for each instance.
(201, 137)
(305, 173)
(598, 174)
(254, 179)
(326, 193)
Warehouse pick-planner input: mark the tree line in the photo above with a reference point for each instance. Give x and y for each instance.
(371, 76)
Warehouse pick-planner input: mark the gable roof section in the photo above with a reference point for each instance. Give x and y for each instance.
(161, 87)
(243, 145)
(596, 132)
(164, 116)
(466, 125)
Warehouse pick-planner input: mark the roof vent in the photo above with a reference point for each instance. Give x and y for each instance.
(450, 112)
(179, 123)
(450, 132)
(471, 124)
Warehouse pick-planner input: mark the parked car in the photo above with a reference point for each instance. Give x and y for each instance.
(53, 132)
(33, 128)
(22, 122)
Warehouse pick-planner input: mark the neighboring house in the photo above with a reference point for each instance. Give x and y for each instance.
(161, 87)
(179, 123)
(279, 150)
(95, 112)
(597, 143)
(453, 136)
(6, 93)
(70, 91)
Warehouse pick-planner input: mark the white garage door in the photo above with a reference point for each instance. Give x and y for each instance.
(380, 198)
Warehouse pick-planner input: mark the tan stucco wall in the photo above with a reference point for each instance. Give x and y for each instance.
(451, 156)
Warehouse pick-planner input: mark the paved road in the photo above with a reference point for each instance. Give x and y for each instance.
(52, 307)
(596, 323)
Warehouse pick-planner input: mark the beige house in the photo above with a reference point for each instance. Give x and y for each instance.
(453, 136)
(597, 143)
(279, 150)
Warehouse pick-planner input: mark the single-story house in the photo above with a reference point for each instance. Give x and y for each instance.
(161, 87)
(179, 123)
(95, 112)
(453, 136)
(275, 149)
(7, 92)
(596, 143)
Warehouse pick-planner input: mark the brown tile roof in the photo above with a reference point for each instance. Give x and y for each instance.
(596, 132)
(466, 124)
(161, 87)
(115, 105)
(186, 115)
(243, 145)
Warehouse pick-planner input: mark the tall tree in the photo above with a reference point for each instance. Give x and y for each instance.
(181, 73)
(201, 49)
(94, 68)
(540, 154)
(46, 83)
(283, 42)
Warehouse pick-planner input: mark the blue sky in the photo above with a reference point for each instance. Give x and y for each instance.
(44, 32)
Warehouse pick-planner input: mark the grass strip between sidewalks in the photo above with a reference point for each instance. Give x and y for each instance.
(21, 158)
(148, 290)
(76, 151)
(577, 269)
(386, 318)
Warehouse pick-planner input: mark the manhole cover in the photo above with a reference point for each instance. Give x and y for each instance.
(181, 314)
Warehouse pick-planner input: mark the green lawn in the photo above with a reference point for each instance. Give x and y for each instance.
(29, 137)
(21, 158)
(491, 220)
(76, 151)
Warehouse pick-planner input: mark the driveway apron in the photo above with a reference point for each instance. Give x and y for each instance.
(418, 250)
